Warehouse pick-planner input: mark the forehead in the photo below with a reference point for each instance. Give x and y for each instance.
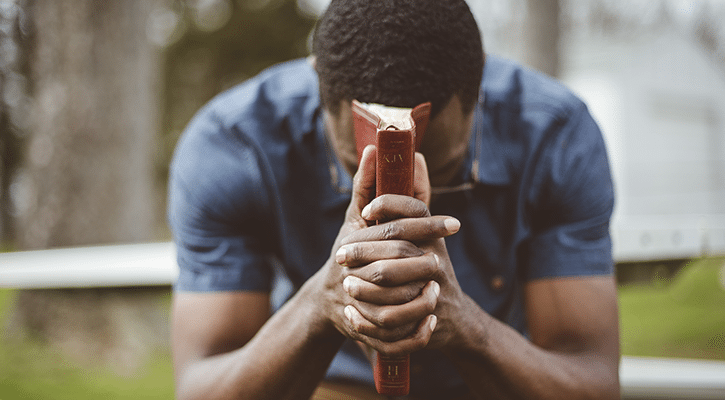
(450, 116)
(440, 127)
(444, 144)
(450, 128)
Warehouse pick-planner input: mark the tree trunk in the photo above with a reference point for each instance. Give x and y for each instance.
(89, 167)
(13, 67)
(88, 173)
(541, 36)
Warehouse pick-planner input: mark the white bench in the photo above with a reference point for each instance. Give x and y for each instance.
(146, 264)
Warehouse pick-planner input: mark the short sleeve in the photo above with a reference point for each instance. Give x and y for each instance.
(219, 210)
(572, 203)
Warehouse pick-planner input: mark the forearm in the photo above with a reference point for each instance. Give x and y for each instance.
(286, 359)
(498, 362)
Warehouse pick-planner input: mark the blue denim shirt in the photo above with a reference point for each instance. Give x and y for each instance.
(256, 193)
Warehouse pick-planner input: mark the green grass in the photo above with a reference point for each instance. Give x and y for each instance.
(29, 370)
(685, 318)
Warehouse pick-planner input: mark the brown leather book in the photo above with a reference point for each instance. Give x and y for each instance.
(397, 133)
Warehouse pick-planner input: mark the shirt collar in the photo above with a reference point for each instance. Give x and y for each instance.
(306, 121)
(340, 179)
(489, 153)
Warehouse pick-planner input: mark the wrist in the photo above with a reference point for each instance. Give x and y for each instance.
(472, 330)
(314, 306)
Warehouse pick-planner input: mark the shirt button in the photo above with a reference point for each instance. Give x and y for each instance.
(497, 283)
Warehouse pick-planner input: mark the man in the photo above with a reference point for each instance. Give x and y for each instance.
(497, 276)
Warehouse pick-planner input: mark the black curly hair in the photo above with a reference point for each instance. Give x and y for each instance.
(398, 52)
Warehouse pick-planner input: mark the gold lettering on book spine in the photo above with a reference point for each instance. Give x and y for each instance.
(391, 158)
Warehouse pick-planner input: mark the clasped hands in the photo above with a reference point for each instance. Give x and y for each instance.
(391, 285)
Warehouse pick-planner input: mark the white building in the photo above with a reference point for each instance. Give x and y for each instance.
(659, 97)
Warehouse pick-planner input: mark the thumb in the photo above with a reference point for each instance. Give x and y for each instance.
(421, 182)
(363, 183)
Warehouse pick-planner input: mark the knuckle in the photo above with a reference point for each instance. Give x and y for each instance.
(408, 250)
(432, 226)
(383, 335)
(356, 326)
(427, 267)
(388, 335)
(419, 208)
(356, 251)
(405, 331)
(418, 342)
(385, 319)
(414, 290)
(352, 325)
(389, 349)
(424, 305)
(378, 275)
(430, 305)
(411, 292)
(389, 231)
(355, 335)
(379, 203)
(354, 291)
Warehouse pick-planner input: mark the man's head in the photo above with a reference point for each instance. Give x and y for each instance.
(398, 52)
(401, 53)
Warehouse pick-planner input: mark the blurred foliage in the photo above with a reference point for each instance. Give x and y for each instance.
(657, 273)
(207, 58)
(683, 318)
(31, 369)
(206, 46)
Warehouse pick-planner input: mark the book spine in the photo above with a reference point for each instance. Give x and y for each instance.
(395, 162)
(394, 175)
(392, 375)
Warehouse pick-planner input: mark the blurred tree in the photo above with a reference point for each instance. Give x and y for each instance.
(87, 175)
(102, 75)
(541, 36)
(13, 68)
(528, 31)
(222, 43)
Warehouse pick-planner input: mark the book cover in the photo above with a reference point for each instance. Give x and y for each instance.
(397, 134)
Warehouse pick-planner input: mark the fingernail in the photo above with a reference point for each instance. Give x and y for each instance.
(436, 288)
(340, 255)
(365, 213)
(346, 284)
(452, 225)
(433, 323)
(348, 313)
